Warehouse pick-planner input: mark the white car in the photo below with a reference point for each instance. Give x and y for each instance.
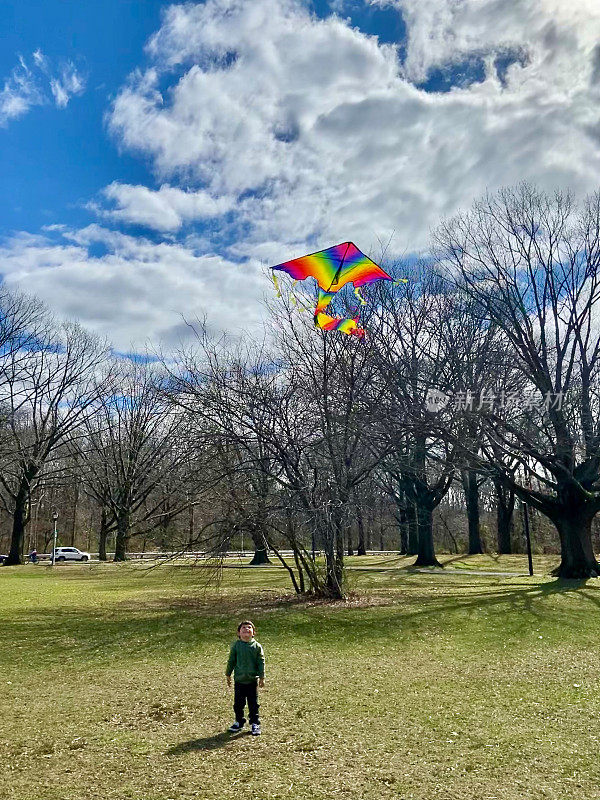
(70, 554)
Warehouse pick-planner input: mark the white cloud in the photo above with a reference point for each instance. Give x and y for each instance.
(19, 93)
(166, 209)
(33, 85)
(137, 291)
(556, 37)
(39, 58)
(69, 83)
(324, 135)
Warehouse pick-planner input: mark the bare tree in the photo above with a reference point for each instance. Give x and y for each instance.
(23, 320)
(297, 414)
(48, 390)
(478, 368)
(257, 432)
(339, 377)
(531, 264)
(133, 444)
(412, 362)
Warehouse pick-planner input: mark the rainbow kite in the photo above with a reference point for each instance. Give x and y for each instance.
(335, 267)
(332, 269)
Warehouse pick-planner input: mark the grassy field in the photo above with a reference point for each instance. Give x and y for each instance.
(419, 686)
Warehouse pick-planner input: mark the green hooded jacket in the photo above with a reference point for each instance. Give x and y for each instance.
(246, 661)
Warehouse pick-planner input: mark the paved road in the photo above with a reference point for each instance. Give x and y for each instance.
(423, 570)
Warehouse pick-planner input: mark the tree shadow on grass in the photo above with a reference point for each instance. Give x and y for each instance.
(162, 628)
(521, 599)
(207, 743)
(565, 585)
(414, 567)
(465, 558)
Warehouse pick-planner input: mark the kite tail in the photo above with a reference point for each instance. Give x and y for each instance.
(298, 305)
(276, 284)
(361, 299)
(400, 280)
(323, 300)
(344, 325)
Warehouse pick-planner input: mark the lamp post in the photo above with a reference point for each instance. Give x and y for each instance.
(55, 518)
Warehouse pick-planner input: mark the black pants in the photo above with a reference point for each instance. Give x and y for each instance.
(243, 692)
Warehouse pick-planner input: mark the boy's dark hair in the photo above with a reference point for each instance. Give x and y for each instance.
(246, 622)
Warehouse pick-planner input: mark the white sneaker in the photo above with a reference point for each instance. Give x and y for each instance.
(255, 729)
(237, 726)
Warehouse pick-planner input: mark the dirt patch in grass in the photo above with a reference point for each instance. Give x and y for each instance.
(263, 601)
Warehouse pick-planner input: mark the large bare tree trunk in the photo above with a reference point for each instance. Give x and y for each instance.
(505, 505)
(15, 555)
(261, 555)
(573, 515)
(426, 555)
(122, 536)
(577, 554)
(469, 481)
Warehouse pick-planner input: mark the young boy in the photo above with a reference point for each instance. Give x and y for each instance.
(247, 661)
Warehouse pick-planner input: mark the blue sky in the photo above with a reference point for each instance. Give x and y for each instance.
(54, 160)
(156, 157)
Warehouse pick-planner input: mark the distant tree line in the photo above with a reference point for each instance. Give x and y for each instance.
(474, 395)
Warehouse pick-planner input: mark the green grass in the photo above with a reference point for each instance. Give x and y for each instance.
(419, 686)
